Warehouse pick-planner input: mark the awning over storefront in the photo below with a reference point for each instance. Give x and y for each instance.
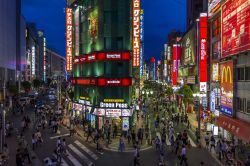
(237, 127)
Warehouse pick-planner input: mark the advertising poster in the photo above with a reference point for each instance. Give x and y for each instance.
(215, 72)
(226, 72)
(125, 123)
(235, 27)
(203, 52)
(188, 47)
(212, 101)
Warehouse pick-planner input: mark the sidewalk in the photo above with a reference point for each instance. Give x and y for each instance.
(12, 140)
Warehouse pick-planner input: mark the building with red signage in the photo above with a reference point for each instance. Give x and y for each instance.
(101, 60)
(230, 67)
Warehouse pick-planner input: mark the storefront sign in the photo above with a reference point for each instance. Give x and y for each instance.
(226, 72)
(85, 102)
(77, 106)
(44, 60)
(235, 27)
(169, 53)
(176, 61)
(136, 33)
(212, 101)
(126, 112)
(113, 112)
(99, 112)
(113, 105)
(141, 41)
(101, 56)
(215, 71)
(113, 100)
(203, 52)
(69, 31)
(191, 79)
(125, 123)
(213, 6)
(103, 81)
(188, 47)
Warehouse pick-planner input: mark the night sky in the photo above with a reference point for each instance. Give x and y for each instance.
(161, 16)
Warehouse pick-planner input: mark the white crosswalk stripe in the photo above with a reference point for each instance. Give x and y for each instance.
(94, 156)
(63, 163)
(81, 155)
(73, 159)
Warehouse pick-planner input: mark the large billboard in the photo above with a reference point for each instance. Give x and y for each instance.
(203, 52)
(176, 61)
(188, 47)
(136, 33)
(213, 6)
(69, 30)
(226, 72)
(235, 27)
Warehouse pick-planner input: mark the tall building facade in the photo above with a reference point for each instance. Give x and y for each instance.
(55, 65)
(101, 75)
(9, 42)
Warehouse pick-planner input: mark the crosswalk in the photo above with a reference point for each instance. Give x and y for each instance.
(78, 155)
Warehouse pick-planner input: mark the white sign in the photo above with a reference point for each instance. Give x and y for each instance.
(113, 105)
(33, 60)
(99, 112)
(125, 124)
(77, 106)
(126, 112)
(216, 130)
(85, 102)
(113, 56)
(113, 112)
(203, 87)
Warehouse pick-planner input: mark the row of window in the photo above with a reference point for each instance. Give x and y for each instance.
(243, 105)
(243, 73)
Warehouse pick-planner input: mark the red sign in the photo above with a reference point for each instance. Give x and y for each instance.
(102, 56)
(103, 81)
(226, 83)
(176, 61)
(203, 52)
(235, 27)
(136, 33)
(69, 31)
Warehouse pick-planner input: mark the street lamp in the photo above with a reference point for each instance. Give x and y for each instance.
(151, 92)
(143, 92)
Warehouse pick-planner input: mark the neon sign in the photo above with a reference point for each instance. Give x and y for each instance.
(69, 31)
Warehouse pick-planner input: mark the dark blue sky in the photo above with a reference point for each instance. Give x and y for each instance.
(161, 16)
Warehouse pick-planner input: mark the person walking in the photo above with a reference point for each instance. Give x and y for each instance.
(212, 142)
(89, 133)
(157, 143)
(121, 147)
(207, 140)
(115, 131)
(26, 154)
(136, 156)
(33, 141)
(183, 155)
(129, 136)
(133, 137)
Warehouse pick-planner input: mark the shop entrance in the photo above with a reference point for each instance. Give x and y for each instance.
(116, 124)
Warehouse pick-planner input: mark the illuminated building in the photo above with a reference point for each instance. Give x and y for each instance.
(101, 60)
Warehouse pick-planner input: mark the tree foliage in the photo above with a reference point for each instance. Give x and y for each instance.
(187, 93)
(12, 89)
(169, 91)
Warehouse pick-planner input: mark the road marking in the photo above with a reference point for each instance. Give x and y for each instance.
(63, 135)
(191, 142)
(94, 156)
(63, 163)
(73, 159)
(81, 155)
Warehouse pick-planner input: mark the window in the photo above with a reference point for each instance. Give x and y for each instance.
(248, 107)
(107, 43)
(240, 74)
(216, 50)
(240, 104)
(247, 73)
(107, 17)
(119, 41)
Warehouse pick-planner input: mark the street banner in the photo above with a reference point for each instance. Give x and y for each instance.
(226, 72)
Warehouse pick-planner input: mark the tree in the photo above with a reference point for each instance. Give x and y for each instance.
(12, 89)
(26, 85)
(36, 83)
(187, 94)
(169, 92)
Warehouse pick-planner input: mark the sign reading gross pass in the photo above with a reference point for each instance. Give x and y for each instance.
(69, 30)
(226, 72)
(136, 33)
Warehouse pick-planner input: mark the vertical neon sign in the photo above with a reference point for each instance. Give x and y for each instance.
(69, 38)
(136, 33)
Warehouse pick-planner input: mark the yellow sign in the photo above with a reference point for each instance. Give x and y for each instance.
(113, 100)
(226, 75)
(84, 98)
